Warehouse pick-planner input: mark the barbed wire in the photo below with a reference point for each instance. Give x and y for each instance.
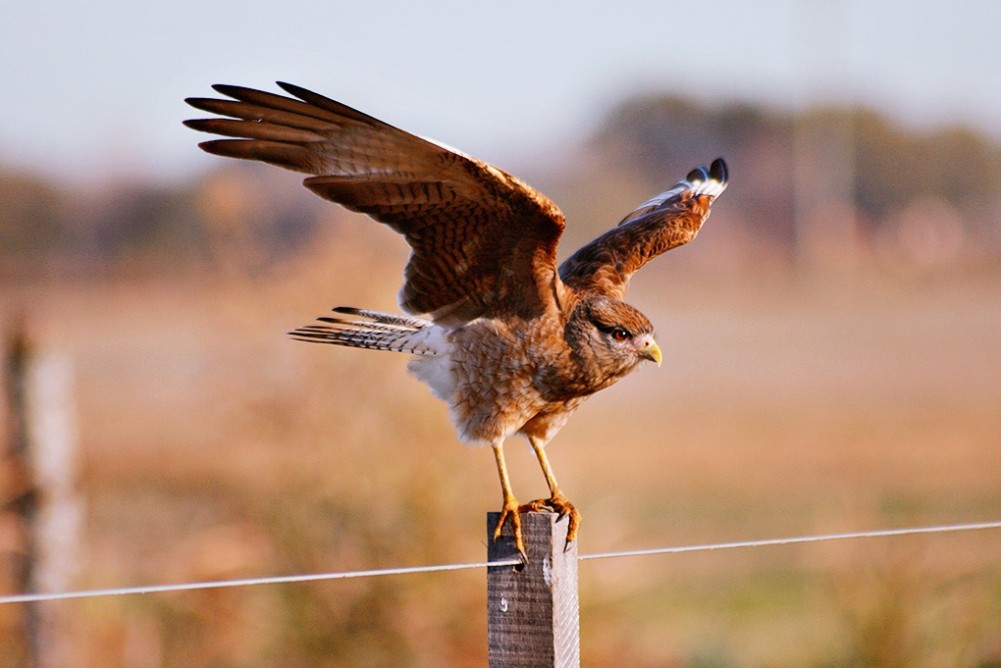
(344, 575)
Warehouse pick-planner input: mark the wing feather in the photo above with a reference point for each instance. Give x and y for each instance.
(484, 242)
(668, 220)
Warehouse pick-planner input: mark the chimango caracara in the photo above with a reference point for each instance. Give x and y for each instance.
(511, 341)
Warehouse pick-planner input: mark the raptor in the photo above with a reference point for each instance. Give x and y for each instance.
(512, 341)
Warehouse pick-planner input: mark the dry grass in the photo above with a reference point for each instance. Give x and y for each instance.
(215, 447)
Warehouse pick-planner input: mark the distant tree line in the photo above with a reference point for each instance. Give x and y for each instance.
(900, 179)
(50, 228)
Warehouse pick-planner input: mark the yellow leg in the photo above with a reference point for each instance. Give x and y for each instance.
(510, 507)
(557, 501)
(547, 470)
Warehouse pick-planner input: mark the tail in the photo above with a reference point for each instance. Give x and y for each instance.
(376, 331)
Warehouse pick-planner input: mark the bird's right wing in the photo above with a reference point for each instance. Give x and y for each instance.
(484, 243)
(668, 220)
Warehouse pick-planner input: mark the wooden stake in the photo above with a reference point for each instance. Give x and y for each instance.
(532, 611)
(38, 465)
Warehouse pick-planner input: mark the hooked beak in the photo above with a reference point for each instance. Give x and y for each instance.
(649, 349)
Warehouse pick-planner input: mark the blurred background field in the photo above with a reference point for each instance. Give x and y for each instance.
(832, 363)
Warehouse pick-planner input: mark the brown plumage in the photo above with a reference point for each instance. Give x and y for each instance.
(513, 344)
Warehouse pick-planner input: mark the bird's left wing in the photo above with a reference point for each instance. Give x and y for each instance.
(668, 220)
(484, 243)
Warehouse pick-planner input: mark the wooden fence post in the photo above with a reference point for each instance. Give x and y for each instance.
(532, 611)
(38, 501)
(18, 498)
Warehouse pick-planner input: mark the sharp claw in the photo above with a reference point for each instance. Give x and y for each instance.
(498, 529)
(557, 504)
(510, 511)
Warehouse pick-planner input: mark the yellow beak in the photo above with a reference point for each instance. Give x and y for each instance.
(650, 350)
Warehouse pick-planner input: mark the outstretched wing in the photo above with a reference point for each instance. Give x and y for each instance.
(668, 220)
(484, 242)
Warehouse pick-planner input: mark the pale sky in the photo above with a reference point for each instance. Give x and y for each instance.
(95, 88)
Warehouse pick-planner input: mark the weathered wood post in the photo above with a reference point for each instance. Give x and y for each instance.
(532, 611)
(38, 500)
(18, 497)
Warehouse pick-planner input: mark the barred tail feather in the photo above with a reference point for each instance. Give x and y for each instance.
(384, 318)
(375, 330)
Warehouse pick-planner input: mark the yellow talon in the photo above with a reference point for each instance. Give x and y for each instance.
(510, 511)
(558, 504)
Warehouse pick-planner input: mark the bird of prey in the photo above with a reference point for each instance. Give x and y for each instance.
(511, 341)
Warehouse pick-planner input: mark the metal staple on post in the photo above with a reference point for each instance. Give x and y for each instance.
(532, 611)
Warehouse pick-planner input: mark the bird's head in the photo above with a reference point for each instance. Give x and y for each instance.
(613, 335)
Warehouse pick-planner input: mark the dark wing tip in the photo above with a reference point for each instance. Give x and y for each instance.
(718, 171)
(711, 181)
(228, 90)
(221, 147)
(292, 89)
(197, 124)
(310, 97)
(698, 174)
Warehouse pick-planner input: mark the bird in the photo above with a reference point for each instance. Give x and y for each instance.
(512, 341)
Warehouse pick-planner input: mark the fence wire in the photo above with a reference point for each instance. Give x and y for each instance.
(344, 575)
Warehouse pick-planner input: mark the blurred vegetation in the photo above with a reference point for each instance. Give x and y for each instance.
(893, 165)
(904, 184)
(32, 218)
(213, 447)
(56, 230)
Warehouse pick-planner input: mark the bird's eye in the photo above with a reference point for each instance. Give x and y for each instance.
(620, 334)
